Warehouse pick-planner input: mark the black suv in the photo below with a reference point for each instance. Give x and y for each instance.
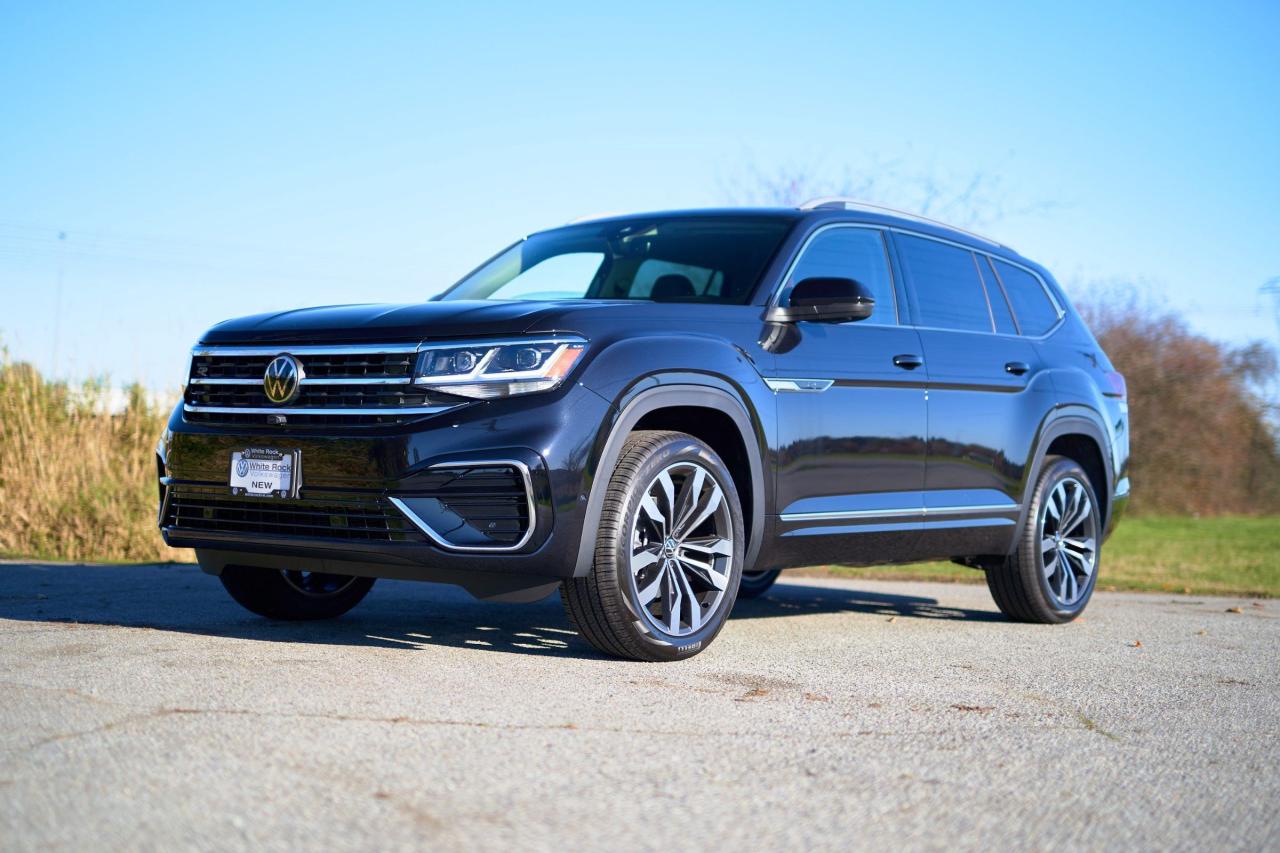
(657, 413)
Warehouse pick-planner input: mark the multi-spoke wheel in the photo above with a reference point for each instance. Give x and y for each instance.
(293, 594)
(681, 549)
(1051, 574)
(1069, 541)
(668, 554)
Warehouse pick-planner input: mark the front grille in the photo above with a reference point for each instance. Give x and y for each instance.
(482, 506)
(346, 386)
(312, 397)
(211, 364)
(330, 515)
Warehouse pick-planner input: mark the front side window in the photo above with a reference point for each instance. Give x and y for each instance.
(676, 259)
(948, 291)
(856, 253)
(1031, 305)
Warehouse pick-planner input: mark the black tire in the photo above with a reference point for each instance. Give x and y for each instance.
(606, 605)
(1020, 586)
(756, 584)
(294, 596)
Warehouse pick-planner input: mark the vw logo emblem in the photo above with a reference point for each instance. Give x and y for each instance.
(242, 467)
(283, 379)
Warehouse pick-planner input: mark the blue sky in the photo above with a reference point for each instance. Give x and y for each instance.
(203, 161)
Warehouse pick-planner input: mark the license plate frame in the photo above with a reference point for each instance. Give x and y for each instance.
(265, 472)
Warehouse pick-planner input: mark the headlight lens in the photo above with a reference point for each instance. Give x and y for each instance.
(498, 368)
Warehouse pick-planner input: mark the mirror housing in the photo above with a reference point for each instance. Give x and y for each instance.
(825, 300)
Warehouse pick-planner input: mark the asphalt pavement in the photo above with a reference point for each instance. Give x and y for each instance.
(140, 708)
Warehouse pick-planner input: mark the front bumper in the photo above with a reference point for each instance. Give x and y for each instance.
(551, 437)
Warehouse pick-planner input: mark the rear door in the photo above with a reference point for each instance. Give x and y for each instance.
(985, 397)
(851, 422)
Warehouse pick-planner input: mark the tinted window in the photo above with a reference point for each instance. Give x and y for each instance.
(1036, 314)
(558, 277)
(856, 253)
(1000, 311)
(698, 280)
(678, 259)
(947, 288)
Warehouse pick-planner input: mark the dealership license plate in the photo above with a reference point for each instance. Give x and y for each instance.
(266, 472)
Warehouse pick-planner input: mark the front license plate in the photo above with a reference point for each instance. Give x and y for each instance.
(266, 472)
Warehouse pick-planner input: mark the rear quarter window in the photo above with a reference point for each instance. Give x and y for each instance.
(1036, 313)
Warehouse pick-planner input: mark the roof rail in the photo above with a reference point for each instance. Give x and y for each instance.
(836, 202)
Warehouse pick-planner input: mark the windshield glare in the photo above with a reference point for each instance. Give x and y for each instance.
(661, 259)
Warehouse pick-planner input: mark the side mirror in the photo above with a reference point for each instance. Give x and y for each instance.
(825, 300)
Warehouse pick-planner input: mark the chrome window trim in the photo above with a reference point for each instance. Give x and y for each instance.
(286, 410)
(1004, 295)
(776, 297)
(986, 294)
(1053, 300)
(474, 463)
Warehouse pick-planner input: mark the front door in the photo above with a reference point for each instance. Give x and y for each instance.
(851, 415)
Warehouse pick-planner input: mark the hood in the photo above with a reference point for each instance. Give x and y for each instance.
(387, 323)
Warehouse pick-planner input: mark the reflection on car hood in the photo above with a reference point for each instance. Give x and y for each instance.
(382, 323)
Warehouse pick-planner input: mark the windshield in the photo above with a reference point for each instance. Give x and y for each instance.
(674, 259)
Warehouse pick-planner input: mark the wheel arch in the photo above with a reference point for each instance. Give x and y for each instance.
(710, 414)
(1078, 435)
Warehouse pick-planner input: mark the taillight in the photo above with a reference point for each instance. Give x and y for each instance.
(1115, 381)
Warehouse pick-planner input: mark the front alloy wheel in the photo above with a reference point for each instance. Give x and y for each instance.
(668, 554)
(681, 549)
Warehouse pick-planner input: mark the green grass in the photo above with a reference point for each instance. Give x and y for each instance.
(1198, 556)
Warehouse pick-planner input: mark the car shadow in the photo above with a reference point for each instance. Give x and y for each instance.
(396, 614)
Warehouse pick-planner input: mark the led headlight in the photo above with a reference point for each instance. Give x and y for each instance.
(497, 368)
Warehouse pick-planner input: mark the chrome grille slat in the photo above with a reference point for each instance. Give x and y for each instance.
(343, 385)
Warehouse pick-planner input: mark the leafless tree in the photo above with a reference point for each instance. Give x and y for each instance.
(974, 200)
(1202, 438)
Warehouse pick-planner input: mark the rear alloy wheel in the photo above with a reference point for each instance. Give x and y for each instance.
(756, 584)
(668, 554)
(1069, 541)
(294, 595)
(1051, 574)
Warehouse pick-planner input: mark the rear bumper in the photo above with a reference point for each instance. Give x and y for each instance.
(551, 437)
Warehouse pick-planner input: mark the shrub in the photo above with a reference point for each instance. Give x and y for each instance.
(77, 480)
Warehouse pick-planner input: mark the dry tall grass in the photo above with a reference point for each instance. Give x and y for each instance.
(76, 482)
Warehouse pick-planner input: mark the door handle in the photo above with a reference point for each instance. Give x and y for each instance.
(1017, 368)
(907, 361)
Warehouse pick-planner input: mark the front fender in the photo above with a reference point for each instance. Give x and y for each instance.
(663, 391)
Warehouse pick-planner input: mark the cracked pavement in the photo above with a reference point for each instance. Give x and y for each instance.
(140, 708)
